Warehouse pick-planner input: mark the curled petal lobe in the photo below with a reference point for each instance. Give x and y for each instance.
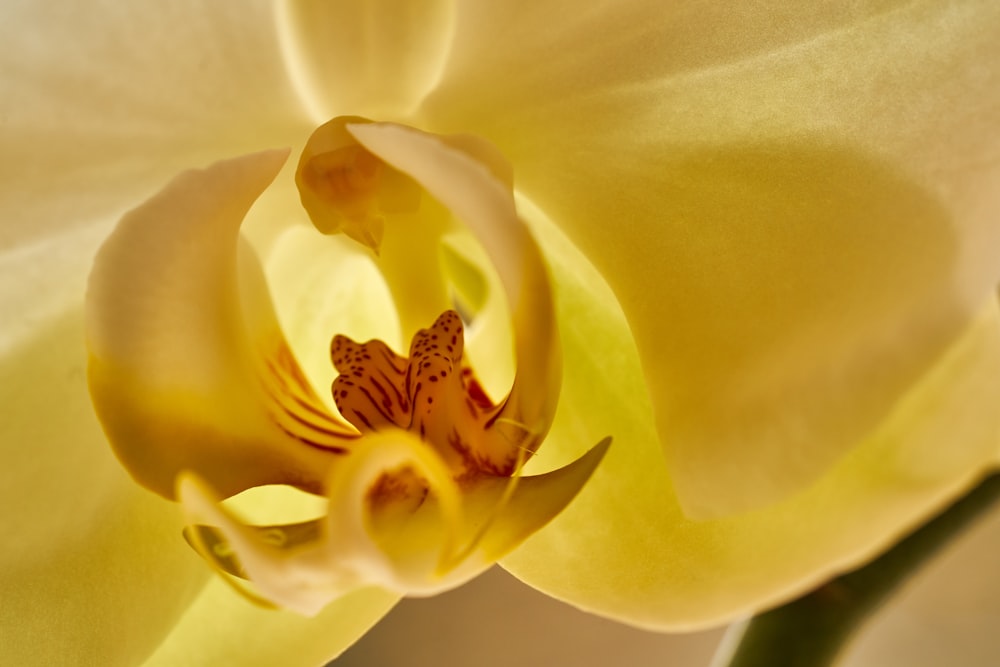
(455, 531)
(470, 189)
(188, 369)
(222, 628)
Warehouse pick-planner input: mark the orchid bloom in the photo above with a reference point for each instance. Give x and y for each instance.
(761, 241)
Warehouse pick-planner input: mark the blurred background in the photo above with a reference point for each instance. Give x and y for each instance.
(949, 615)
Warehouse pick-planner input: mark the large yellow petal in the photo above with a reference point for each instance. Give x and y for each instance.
(376, 58)
(102, 103)
(795, 206)
(625, 548)
(93, 568)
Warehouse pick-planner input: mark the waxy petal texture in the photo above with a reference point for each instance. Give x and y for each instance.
(798, 216)
(85, 549)
(648, 564)
(90, 94)
(376, 58)
(188, 368)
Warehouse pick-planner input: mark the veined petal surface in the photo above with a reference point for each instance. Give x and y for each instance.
(796, 207)
(625, 548)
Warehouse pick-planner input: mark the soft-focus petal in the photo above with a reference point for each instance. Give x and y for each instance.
(646, 563)
(221, 627)
(103, 102)
(188, 368)
(92, 569)
(376, 58)
(43, 281)
(795, 206)
(947, 614)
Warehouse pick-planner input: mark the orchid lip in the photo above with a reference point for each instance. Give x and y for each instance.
(422, 471)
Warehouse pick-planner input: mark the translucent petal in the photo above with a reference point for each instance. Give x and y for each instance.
(188, 369)
(86, 551)
(778, 196)
(324, 286)
(648, 564)
(376, 58)
(91, 93)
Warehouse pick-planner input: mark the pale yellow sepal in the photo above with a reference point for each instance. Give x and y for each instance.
(650, 565)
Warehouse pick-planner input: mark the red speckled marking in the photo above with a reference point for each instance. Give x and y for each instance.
(430, 394)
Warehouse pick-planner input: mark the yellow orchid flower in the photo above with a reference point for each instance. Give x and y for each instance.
(198, 391)
(770, 236)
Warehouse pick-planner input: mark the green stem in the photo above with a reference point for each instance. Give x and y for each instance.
(812, 630)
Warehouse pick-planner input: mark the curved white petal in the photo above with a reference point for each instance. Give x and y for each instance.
(449, 533)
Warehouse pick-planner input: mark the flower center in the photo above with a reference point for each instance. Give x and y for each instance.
(431, 394)
(345, 188)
